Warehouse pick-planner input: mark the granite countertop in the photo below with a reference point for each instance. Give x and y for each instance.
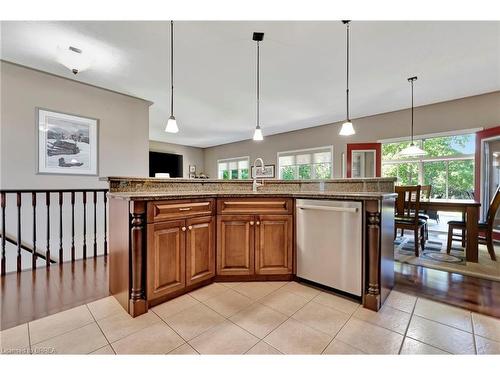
(247, 194)
(249, 181)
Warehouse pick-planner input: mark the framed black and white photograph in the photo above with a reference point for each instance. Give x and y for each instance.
(67, 144)
(266, 172)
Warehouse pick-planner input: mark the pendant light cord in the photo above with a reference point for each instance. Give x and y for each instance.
(411, 79)
(411, 111)
(258, 84)
(347, 75)
(171, 68)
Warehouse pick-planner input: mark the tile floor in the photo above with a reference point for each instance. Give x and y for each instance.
(260, 318)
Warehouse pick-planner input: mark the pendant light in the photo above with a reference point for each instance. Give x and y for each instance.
(347, 128)
(412, 149)
(172, 122)
(257, 135)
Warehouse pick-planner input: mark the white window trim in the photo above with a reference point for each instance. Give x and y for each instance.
(228, 160)
(431, 135)
(304, 150)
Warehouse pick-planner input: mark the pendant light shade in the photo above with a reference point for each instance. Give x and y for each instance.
(172, 125)
(412, 150)
(347, 127)
(172, 122)
(257, 135)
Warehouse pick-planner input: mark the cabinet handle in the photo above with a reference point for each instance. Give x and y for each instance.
(183, 229)
(258, 222)
(184, 208)
(190, 227)
(251, 223)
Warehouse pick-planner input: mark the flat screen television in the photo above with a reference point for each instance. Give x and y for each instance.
(161, 162)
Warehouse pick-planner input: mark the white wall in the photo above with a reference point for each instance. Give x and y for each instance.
(123, 128)
(123, 150)
(190, 155)
(471, 112)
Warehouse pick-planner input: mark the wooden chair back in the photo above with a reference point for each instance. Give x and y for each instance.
(408, 201)
(492, 210)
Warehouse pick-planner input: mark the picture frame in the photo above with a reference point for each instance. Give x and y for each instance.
(268, 172)
(67, 144)
(192, 171)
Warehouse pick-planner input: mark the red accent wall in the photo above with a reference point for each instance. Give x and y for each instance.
(365, 146)
(480, 135)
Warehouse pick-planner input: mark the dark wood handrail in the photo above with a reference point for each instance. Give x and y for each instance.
(50, 190)
(33, 248)
(26, 247)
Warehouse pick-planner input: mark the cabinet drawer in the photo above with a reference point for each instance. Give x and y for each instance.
(254, 206)
(168, 210)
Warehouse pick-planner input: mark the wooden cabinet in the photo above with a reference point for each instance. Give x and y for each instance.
(180, 255)
(200, 249)
(274, 244)
(166, 258)
(235, 244)
(260, 243)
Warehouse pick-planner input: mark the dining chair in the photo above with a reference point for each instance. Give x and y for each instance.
(407, 214)
(425, 194)
(485, 228)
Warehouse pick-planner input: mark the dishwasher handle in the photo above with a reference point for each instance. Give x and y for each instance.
(328, 208)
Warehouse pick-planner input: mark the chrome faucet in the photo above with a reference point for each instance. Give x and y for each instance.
(256, 184)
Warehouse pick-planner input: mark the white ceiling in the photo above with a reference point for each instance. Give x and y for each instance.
(302, 68)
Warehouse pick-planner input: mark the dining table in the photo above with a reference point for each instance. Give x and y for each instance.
(468, 207)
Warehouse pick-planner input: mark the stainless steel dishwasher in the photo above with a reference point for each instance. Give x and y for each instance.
(329, 243)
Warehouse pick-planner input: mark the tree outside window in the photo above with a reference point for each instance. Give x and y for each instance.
(310, 164)
(448, 165)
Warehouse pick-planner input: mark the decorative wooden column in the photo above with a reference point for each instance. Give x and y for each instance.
(137, 299)
(372, 298)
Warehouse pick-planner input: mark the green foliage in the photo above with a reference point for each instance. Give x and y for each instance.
(449, 179)
(288, 173)
(323, 171)
(305, 171)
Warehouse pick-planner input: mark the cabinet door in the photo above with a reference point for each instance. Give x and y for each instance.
(235, 244)
(166, 258)
(274, 244)
(200, 249)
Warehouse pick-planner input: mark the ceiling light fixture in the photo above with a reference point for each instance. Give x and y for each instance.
(347, 128)
(257, 135)
(172, 122)
(412, 149)
(74, 59)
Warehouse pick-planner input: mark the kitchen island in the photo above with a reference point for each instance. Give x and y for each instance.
(170, 236)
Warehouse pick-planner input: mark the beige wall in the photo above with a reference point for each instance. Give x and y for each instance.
(123, 128)
(472, 112)
(190, 155)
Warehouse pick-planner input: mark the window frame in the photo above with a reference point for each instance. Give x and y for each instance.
(235, 159)
(311, 151)
(421, 160)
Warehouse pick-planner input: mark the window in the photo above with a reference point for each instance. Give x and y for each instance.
(233, 169)
(448, 165)
(310, 164)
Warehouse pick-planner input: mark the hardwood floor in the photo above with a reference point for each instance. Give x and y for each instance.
(479, 295)
(28, 295)
(32, 295)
